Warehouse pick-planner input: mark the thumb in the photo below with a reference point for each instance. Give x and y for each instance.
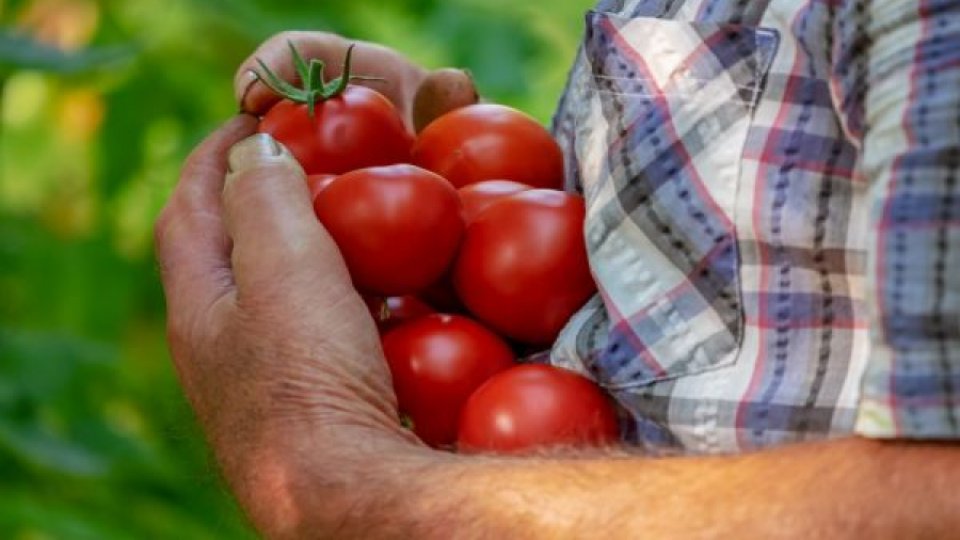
(269, 216)
(442, 91)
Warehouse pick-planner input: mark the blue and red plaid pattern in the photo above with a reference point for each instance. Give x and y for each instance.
(773, 218)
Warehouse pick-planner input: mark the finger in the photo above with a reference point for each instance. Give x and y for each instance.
(401, 77)
(191, 244)
(440, 92)
(278, 244)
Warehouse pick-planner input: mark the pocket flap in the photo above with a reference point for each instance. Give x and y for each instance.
(668, 107)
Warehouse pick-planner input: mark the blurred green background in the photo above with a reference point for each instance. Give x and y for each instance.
(99, 104)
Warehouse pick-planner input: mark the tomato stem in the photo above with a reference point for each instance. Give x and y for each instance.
(315, 88)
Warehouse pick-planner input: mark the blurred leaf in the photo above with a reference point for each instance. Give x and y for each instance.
(43, 363)
(18, 51)
(33, 445)
(492, 46)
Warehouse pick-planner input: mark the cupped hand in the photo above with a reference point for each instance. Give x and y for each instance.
(275, 350)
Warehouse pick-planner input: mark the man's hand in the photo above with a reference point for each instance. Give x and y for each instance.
(276, 352)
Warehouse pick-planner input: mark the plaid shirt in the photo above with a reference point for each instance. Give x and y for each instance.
(773, 218)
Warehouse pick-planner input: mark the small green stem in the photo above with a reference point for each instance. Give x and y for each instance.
(314, 87)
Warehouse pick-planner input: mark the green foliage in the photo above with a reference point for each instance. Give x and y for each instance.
(18, 51)
(96, 440)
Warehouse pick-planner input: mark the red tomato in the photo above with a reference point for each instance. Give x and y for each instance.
(523, 268)
(437, 361)
(536, 405)
(318, 182)
(477, 197)
(397, 227)
(356, 129)
(490, 142)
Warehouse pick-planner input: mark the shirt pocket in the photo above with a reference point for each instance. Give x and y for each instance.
(663, 116)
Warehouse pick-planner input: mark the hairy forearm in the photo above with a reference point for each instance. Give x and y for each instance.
(848, 488)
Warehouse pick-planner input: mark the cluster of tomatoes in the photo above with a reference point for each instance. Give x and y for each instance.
(467, 251)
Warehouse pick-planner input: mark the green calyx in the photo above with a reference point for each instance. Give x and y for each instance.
(315, 88)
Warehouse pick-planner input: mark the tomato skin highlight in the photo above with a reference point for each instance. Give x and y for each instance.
(398, 227)
(360, 128)
(522, 267)
(490, 142)
(535, 406)
(318, 182)
(437, 361)
(477, 197)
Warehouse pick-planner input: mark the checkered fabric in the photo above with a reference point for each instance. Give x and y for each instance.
(773, 218)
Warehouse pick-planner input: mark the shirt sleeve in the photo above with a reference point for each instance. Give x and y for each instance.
(896, 80)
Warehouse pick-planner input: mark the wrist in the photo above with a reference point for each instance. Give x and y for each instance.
(311, 481)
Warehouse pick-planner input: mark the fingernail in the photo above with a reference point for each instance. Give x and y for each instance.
(256, 151)
(244, 85)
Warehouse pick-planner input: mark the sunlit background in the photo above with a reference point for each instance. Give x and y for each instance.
(99, 104)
